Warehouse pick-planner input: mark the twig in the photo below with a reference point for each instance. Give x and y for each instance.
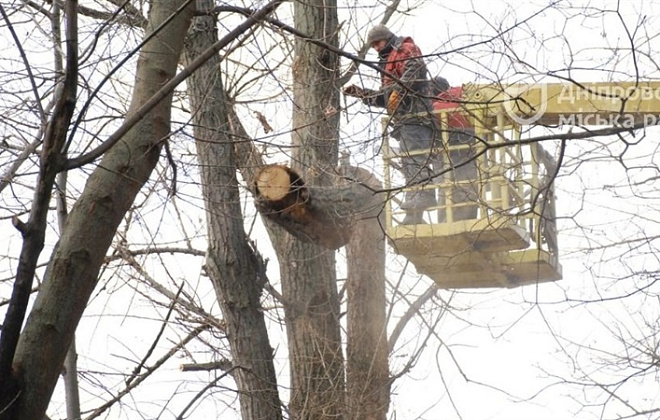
(200, 393)
(137, 369)
(148, 371)
(413, 309)
(223, 364)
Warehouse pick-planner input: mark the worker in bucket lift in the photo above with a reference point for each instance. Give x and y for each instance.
(461, 151)
(405, 94)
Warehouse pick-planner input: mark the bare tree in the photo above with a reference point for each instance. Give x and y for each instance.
(32, 362)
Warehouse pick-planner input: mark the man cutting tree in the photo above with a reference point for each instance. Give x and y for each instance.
(405, 93)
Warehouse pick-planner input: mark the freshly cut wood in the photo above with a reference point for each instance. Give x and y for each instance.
(281, 188)
(319, 214)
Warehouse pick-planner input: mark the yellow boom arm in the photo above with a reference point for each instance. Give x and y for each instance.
(606, 103)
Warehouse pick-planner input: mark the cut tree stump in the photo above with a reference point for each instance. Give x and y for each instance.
(323, 215)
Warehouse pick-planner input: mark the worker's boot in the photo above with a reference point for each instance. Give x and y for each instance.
(419, 200)
(415, 204)
(414, 217)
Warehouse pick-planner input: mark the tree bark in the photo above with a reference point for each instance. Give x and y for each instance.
(235, 268)
(111, 189)
(308, 270)
(367, 371)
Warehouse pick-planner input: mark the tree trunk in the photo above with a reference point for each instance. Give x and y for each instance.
(367, 371)
(236, 270)
(111, 189)
(349, 212)
(307, 270)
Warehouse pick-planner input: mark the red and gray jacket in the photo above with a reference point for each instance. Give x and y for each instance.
(404, 73)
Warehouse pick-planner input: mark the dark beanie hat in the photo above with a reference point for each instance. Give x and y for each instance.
(379, 33)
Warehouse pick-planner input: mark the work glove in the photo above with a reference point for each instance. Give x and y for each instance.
(355, 91)
(393, 101)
